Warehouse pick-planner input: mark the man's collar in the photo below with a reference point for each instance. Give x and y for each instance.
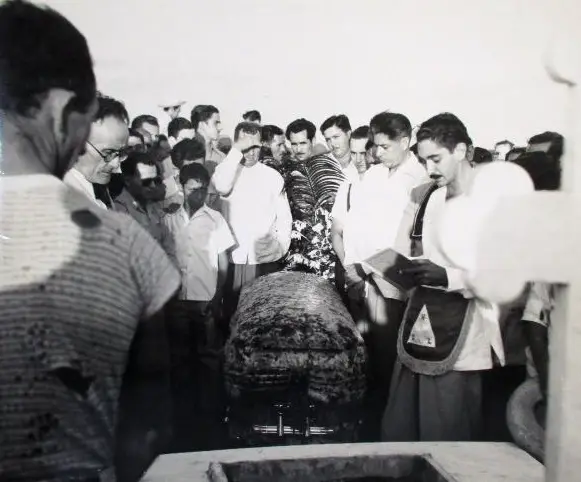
(126, 199)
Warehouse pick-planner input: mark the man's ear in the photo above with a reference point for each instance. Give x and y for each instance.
(56, 102)
(461, 151)
(404, 142)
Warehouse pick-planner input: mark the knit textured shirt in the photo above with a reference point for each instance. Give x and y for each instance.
(75, 280)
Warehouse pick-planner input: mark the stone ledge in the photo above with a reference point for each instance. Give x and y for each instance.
(467, 461)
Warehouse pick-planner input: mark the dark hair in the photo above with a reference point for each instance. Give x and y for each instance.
(194, 171)
(251, 128)
(361, 132)
(129, 165)
(41, 50)
(176, 125)
(516, 150)
(393, 125)
(505, 141)
(224, 144)
(110, 107)
(445, 129)
(252, 116)
(544, 170)
(269, 131)
(301, 125)
(341, 121)
(557, 142)
(136, 133)
(187, 150)
(481, 155)
(144, 119)
(201, 113)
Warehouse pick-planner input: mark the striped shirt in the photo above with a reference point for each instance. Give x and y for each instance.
(74, 282)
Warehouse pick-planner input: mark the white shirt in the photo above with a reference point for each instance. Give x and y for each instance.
(198, 243)
(484, 332)
(378, 202)
(350, 171)
(76, 180)
(253, 202)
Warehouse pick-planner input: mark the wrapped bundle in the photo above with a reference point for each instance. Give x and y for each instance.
(292, 330)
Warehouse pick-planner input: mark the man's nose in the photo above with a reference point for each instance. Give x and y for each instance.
(115, 165)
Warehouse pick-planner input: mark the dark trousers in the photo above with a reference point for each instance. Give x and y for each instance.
(444, 408)
(238, 276)
(498, 385)
(381, 318)
(196, 377)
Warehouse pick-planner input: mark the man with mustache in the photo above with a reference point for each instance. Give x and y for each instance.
(447, 336)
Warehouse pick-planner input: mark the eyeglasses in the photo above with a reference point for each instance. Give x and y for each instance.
(157, 181)
(111, 154)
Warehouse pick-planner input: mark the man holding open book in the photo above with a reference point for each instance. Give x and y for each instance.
(447, 336)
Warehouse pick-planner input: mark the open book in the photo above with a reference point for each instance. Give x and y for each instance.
(386, 265)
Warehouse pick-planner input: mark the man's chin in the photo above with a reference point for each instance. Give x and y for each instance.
(102, 179)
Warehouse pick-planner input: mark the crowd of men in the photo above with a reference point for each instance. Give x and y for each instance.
(124, 250)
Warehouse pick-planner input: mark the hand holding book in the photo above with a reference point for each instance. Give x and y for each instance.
(404, 273)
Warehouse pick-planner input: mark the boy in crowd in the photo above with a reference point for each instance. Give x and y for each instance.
(202, 238)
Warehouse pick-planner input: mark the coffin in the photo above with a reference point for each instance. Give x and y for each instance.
(292, 329)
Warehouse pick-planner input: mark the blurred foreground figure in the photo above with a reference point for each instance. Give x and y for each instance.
(81, 288)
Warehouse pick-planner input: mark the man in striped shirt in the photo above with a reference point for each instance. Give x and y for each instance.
(82, 289)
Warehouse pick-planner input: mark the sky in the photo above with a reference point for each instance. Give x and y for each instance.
(480, 59)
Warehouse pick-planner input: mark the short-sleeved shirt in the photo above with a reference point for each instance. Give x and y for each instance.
(198, 242)
(75, 280)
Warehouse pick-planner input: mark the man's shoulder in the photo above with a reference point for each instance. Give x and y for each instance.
(269, 172)
(419, 192)
(213, 214)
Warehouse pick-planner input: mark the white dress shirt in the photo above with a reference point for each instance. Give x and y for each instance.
(484, 332)
(76, 180)
(378, 202)
(253, 202)
(199, 241)
(350, 171)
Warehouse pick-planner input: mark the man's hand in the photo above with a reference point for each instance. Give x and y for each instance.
(427, 273)
(354, 283)
(246, 142)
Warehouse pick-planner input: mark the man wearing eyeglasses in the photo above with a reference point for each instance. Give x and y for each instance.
(143, 187)
(103, 152)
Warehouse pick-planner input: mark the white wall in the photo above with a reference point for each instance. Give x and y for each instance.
(481, 59)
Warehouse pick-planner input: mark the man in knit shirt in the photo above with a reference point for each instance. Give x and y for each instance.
(81, 288)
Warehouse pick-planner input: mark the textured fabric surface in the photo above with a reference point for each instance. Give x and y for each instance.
(74, 282)
(293, 328)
